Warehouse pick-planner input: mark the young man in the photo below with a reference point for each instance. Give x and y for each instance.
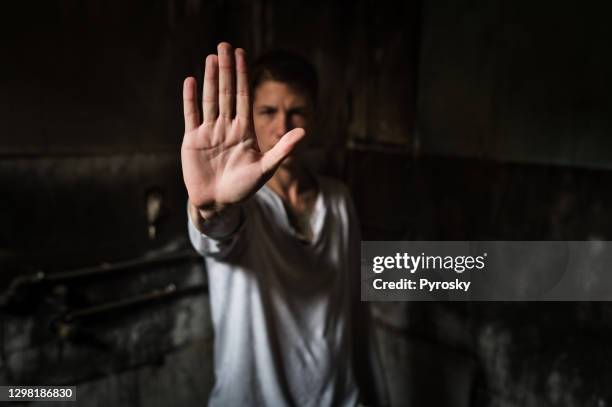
(281, 244)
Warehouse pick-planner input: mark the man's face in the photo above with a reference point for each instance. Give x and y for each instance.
(278, 108)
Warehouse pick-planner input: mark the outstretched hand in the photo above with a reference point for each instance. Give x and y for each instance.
(222, 164)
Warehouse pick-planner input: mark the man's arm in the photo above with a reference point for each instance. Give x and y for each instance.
(216, 224)
(219, 236)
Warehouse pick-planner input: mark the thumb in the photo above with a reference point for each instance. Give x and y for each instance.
(273, 157)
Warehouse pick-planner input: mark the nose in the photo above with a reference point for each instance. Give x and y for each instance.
(283, 124)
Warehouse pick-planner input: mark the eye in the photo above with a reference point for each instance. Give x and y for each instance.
(266, 111)
(298, 112)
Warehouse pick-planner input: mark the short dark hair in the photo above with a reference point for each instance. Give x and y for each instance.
(287, 67)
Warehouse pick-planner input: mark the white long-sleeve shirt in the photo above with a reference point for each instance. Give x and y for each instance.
(281, 307)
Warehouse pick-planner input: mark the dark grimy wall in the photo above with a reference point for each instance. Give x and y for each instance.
(519, 81)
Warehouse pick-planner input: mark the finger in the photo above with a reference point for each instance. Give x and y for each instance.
(190, 104)
(226, 80)
(210, 89)
(273, 158)
(243, 104)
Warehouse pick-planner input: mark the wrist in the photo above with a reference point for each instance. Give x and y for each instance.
(216, 222)
(210, 214)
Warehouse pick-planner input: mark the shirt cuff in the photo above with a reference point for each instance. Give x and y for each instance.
(218, 234)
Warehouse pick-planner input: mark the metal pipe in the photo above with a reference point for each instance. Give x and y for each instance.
(41, 277)
(168, 291)
(186, 255)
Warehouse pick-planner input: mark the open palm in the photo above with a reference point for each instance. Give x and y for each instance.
(222, 164)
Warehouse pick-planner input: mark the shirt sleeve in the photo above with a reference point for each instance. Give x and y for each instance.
(221, 238)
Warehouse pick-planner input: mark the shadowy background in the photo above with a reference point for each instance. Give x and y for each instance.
(449, 120)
